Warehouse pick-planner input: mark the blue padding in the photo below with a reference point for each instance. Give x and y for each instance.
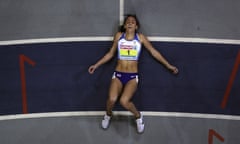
(60, 81)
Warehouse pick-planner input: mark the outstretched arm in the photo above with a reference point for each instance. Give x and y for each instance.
(108, 56)
(157, 55)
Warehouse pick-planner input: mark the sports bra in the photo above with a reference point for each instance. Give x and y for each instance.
(129, 49)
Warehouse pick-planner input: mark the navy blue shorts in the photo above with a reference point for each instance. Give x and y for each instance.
(125, 77)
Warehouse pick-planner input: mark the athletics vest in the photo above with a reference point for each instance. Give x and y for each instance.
(129, 50)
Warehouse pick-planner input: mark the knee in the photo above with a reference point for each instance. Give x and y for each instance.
(124, 103)
(112, 100)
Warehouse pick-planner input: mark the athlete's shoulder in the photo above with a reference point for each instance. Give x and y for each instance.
(141, 37)
(118, 35)
(140, 34)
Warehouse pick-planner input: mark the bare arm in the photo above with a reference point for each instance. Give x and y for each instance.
(108, 56)
(157, 55)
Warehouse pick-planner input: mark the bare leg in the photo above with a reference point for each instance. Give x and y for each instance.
(114, 92)
(126, 96)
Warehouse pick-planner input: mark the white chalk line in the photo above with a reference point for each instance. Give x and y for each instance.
(124, 113)
(91, 38)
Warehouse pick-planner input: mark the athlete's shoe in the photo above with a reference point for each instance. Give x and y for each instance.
(106, 121)
(140, 124)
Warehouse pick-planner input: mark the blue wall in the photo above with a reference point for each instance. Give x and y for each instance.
(60, 81)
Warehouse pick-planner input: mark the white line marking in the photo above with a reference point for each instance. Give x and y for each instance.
(126, 113)
(158, 39)
(54, 40)
(121, 11)
(195, 40)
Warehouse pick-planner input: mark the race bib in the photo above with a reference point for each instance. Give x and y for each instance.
(128, 52)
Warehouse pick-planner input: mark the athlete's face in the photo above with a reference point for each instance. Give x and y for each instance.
(131, 24)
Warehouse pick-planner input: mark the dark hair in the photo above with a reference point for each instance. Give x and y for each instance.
(122, 29)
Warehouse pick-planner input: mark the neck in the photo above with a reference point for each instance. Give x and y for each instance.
(129, 35)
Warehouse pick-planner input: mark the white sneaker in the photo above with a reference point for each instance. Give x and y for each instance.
(106, 121)
(140, 124)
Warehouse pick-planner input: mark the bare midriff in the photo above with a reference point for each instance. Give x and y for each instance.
(128, 66)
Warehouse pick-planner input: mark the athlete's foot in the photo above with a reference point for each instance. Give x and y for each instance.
(140, 124)
(106, 121)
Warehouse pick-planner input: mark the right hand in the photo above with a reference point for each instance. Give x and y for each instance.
(91, 69)
(173, 69)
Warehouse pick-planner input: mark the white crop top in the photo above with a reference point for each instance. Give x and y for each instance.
(129, 50)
